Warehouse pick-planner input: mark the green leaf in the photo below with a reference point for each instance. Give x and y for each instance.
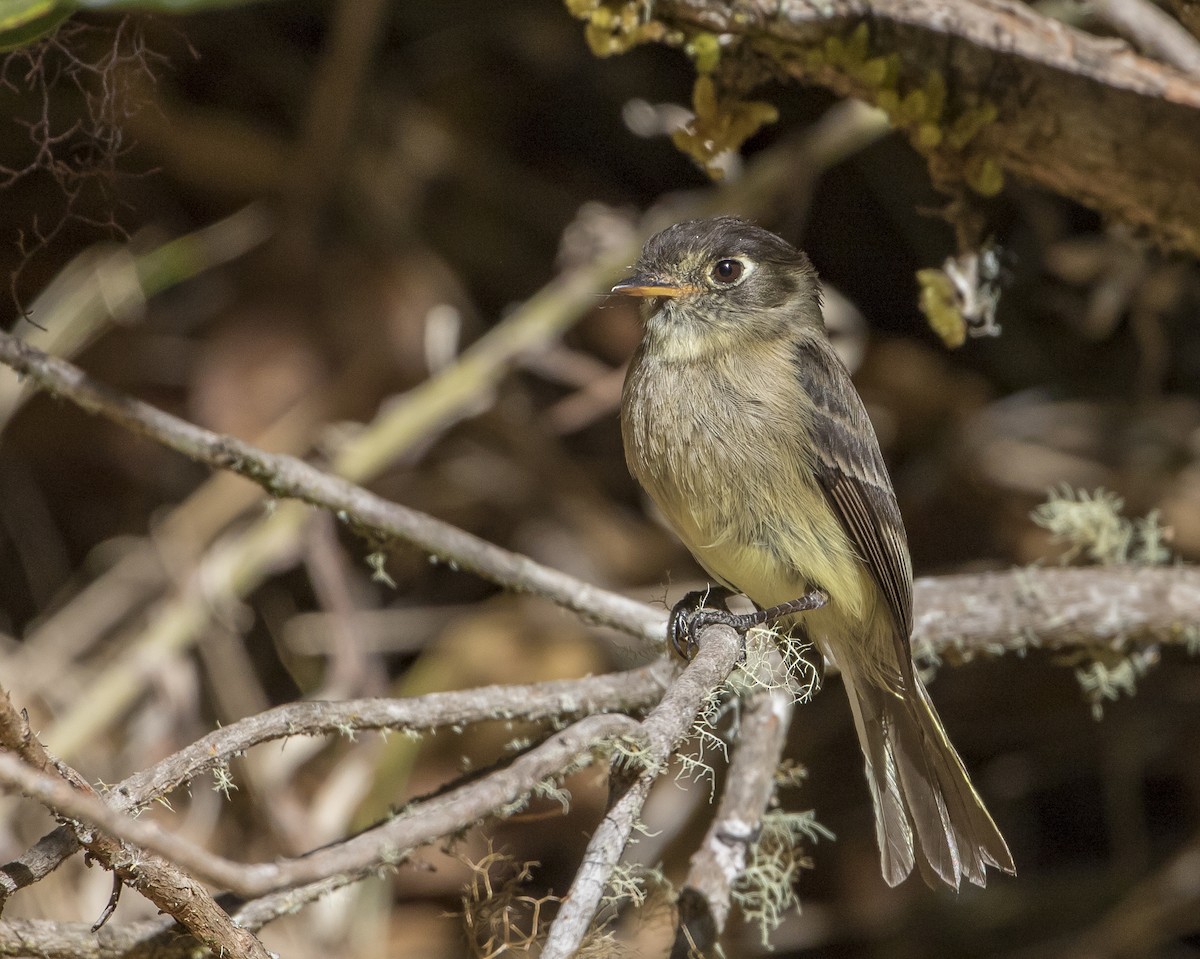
(24, 21)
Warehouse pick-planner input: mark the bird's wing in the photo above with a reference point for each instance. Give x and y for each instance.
(851, 471)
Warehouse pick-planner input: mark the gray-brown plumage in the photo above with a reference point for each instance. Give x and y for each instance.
(742, 424)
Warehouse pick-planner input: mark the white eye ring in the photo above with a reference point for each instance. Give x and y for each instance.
(729, 271)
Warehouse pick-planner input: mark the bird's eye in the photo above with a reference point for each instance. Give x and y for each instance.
(728, 271)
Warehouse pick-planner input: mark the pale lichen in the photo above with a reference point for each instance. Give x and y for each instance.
(766, 890)
(1091, 525)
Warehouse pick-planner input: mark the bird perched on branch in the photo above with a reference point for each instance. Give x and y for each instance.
(743, 426)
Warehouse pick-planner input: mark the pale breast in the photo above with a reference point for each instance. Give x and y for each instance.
(721, 446)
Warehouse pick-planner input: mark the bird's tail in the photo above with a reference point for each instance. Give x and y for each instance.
(927, 812)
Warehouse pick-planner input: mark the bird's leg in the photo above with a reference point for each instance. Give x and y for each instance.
(708, 608)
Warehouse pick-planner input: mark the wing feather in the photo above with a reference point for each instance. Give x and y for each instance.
(851, 471)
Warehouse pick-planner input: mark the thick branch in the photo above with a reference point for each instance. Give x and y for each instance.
(1111, 607)
(1077, 114)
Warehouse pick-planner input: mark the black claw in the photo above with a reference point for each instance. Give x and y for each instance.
(681, 628)
(708, 607)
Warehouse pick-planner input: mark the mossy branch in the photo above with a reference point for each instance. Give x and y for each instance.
(983, 88)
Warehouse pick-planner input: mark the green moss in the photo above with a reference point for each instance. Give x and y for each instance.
(928, 136)
(949, 137)
(614, 26)
(940, 305)
(968, 124)
(721, 124)
(859, 44)
(984, 175)
(873, 72)
(705, 51)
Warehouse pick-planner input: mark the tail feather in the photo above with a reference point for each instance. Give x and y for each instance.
(893, 825)
(927, 812)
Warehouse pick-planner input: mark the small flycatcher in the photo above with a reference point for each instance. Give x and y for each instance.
(743, 426)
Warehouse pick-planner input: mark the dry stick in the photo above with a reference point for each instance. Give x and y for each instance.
(629, 691)
(559, 699)
(1112, 607)
(26, 763)
(721, 859)
(665, 728)
(50, 939)
(287, 477)
(359, 856)
(160, 938)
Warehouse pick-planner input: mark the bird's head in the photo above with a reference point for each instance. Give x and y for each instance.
(711, 285)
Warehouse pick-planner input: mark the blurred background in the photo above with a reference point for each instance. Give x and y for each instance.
(329, 202)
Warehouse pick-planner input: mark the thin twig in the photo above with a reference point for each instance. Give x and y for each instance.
(563, 699)
(665, 728)
(287, 477)
(357, 857)
(721, 859)
(27, 764)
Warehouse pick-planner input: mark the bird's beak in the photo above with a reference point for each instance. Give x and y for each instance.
(643, 284)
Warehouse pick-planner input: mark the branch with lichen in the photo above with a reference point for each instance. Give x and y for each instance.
(1113, 608)
(667, 725)
(720, 862)
(982, 89)
(564, 700)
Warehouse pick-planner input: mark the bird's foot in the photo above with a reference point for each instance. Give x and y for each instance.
(708, 607)
(681, 627)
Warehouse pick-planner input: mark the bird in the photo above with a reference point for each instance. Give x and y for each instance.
(743, 426)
